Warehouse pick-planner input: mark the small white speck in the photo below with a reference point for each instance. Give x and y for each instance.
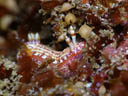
(65, 57)
(61, 60)
(84, 66)
(44, 56)
(30, 47)
(40, 89)
(90, 48)
(88, 85)
(79, 48)
(126, 52)
(103, 44)
(55, 62)
(74, 50)
(82, 44)
(37, 54)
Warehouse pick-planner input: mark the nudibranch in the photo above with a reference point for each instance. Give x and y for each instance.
(62, 62)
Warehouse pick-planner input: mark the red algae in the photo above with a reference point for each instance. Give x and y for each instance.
(124, 78)
(98, 79)
(26, 66)
(23, 90)
(46, 79)
(48, 5)
(3, 11)
(84, 71)
(118, 89)
(4, 73)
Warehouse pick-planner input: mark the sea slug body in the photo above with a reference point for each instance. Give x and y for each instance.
(64, 62)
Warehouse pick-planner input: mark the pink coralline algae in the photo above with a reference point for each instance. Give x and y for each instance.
(117, 55)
